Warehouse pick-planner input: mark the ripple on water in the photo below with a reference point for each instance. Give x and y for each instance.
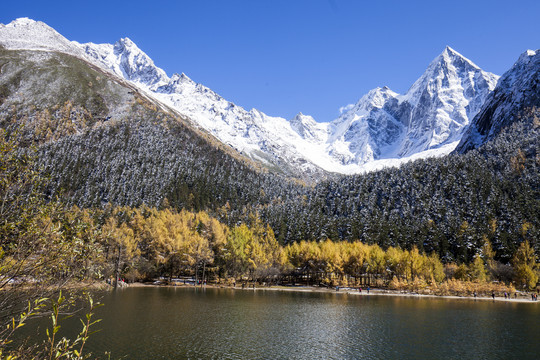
(187, 323)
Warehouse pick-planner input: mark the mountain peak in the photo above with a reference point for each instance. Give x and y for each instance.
(449, 50)
(126, 44)
(451, 56)
(516, 91)
(136, 65)
(303, 118)
(23, 21)
(376, 98)
(180, 79)
(28, 34)
(527, 55)
(184, 77)
(449, 66)
(24, 27)
(308, 128)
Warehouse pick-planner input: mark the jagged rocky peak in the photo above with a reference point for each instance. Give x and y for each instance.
(441, 103)
(433, 113)
(126, 60)
(450, 55)
(449, 70)
(303, 119)
(527, 55)
(308, 128)
(126, 44)
(177, 84)
(376, 98)
(451, 61)
(516, 91)
(136, 65)
(524, 69)
(180, 78)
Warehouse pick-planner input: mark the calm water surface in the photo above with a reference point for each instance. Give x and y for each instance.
(190, 323)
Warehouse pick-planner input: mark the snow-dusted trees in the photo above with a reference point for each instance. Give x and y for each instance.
(107, 145)
(447, 205)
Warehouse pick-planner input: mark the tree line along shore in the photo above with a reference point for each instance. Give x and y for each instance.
(143, 244)
(46, 243)
(47, 246)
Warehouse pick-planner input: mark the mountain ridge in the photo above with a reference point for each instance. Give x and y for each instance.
(517, 91)
(102, 140)
(431, 115)
(387, 132)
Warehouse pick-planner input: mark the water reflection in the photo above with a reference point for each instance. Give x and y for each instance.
(183, 323)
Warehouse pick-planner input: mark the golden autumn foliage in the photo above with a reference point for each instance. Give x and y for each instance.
(138, 244)
(525, 266)
(145, 243)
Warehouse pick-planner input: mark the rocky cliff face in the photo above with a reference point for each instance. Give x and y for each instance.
(433, 113)
(517, 90)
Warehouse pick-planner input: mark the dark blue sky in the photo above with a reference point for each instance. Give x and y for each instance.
(313, 56)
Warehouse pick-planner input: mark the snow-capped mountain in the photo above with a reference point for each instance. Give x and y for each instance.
(432, 114)
(24, 33)
(309, 129)
(517, 90)
(271, 140)
(361, 134)
(125, 59)
(382, 129)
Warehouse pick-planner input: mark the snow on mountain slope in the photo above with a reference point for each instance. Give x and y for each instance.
(359, 135)
(28, 34)
(431, 115)
(309, 129)
(272, 140)
(269, 139)
(382, 126)
(251, 132)
(125, 59)
(443, 101)
(517, 90)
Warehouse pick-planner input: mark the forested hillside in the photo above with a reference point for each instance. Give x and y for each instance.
(445, 205)
(154, 161)
(102, 142)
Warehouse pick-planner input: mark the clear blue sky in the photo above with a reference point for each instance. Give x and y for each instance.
(287, 56)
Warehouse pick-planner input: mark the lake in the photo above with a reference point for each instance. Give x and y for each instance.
(195, 323)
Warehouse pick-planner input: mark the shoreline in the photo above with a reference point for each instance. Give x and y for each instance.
(348, 291)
